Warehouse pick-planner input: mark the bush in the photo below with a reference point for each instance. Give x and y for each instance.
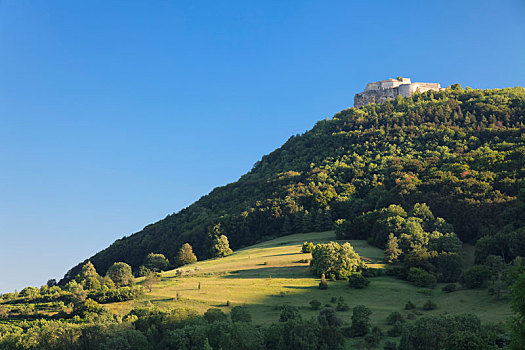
(421, 278)
(357, 281)
(371, 272)
(394, 317)
(240, 314)
(215, 315)
(307, 247)
(289, 313)
(449, 288)
(360, 321)
(341, 305)
(429, 305)
(396, 330)
(315, 304)
(374, 337)
(410, 305)
(475, 277)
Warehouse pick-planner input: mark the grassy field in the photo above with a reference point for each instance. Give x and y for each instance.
(268, 275)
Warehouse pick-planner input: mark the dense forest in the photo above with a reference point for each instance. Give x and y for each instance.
(461, 152)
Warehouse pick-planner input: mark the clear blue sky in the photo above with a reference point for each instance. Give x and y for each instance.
(115, 114)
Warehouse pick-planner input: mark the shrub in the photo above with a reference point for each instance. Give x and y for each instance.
(357, 281)
(371, 272)
(315, 304)
(374, 337)
(394, 317)
(396, 330)
(307, 247)
(421, 278)
(333, 300)
(360, 321)
(429, 305)
(410, 305)
(449, 288)
(289, 313)
(240, 314)
(303, 261)
(475, 277)
(215, 315)
(341, 305)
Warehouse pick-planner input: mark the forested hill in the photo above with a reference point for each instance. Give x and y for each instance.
(462, 152)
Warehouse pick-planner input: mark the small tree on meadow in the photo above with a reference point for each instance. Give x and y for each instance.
(120, 274)
(156, 262)
(150, 280)
(221, 246)
(360, 321)
(185, 255)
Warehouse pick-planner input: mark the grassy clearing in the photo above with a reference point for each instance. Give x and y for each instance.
(269, 274)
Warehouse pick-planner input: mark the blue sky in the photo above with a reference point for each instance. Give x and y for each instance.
(116, 114)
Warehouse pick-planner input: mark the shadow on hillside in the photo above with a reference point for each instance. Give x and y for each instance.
(272, 272)
(285, 254)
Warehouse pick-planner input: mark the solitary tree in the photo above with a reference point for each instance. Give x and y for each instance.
(221, 246)
(156, 262)
(120, 274)
(185, 255)
(150, 280)
(360, 321)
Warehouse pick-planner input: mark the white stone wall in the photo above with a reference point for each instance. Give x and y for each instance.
(381, 91)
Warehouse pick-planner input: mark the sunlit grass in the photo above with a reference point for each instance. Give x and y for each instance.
(269, 274)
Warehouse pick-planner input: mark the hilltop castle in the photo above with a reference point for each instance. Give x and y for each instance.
(380, 91)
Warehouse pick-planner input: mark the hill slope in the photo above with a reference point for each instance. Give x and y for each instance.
(460, 151)
(267, 275)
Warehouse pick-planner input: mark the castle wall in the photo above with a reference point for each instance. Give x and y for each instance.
(381, 91)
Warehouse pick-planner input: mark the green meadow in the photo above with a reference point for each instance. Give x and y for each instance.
(268, 275)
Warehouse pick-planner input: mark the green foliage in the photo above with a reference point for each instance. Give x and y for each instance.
(185, 255)
(156, 262)
(307, 247)
(215, 315)
(421, 278)
(475, 277)
(429, 305)
(392, 251)
(518, 306)
(360, 321)
(410, 305)
(436, 332)
(315, 304)
(240, 314)
(336, 259)
(288, 313)
(120, 274)
(358, 281)
(394, 317)
(449, 288)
